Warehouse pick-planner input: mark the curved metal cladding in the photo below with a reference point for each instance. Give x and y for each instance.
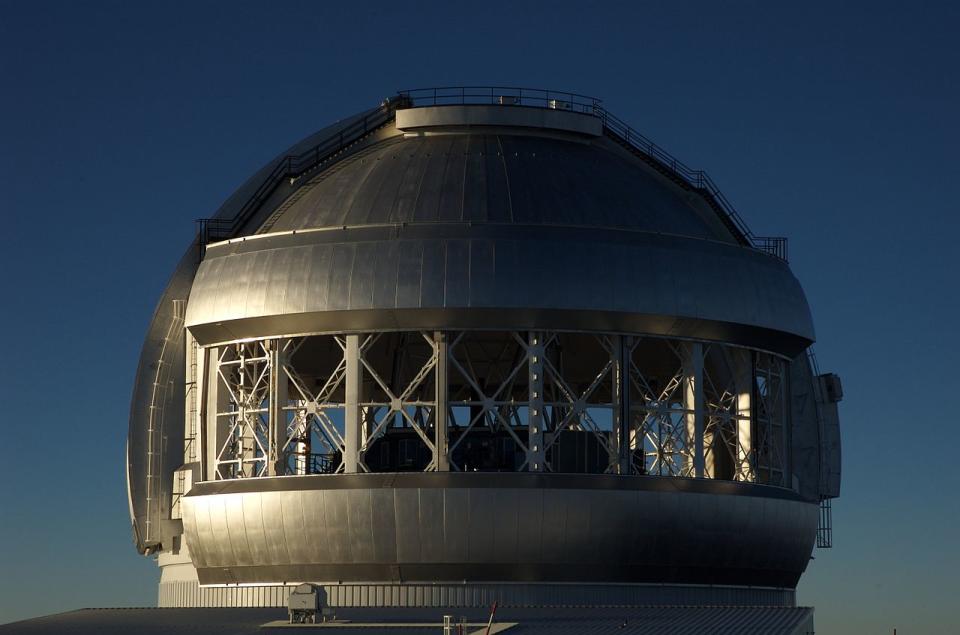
(454, 276)
(155, 433)
(495, 527)
(504, 289)
(155, 429)
(479, 221)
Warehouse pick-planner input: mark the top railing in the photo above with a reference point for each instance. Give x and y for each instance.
(502, 96)
(292, 167)
(574, 102)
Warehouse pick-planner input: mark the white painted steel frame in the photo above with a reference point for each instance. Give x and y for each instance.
(720, 414)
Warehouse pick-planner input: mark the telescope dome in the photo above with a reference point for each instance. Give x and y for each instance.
(477, 344)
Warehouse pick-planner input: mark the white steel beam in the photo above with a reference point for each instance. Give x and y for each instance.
(441, 455)
(536, 454)
(693, 400)
(743, 380)
(620, 353)
(353, 415)
(277, 422)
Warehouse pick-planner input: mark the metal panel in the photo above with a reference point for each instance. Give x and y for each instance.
(149, 488)
(409, 270)
(482, 504)
(337, 512)
(383, 526)
(294, 527)
(407, 513)
(589, 530)
(537, 179)
(430, 519)
(456, 518)
(505, 521)
(317, 543)
(256, 533)
(360, 526)
(236, 530)
(533, 271)
(340, 275)
(220, 549)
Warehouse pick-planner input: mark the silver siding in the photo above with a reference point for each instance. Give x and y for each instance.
(171, 401)
(500, 178)
(497, 221)
(470, 178)
(412, 528)
(350, 280)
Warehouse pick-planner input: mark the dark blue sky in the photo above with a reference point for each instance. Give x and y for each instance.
(833, 123)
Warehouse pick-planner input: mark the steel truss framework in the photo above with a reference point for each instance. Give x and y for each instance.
(504, 401)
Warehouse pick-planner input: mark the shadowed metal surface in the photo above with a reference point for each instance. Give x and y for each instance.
(499, 178)
(501, 267)
(495, 222)
(149, 497)
(511, 527)
(479, 220)
(147, 467)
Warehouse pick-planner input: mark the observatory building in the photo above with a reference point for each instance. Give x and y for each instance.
(480, 345)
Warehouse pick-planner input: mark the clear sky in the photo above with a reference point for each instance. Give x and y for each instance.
(832, 123)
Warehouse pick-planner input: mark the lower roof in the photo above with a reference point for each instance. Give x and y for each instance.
(651, 620)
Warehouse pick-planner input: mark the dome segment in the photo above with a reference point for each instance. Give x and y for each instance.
(478, 344)
(554, 226)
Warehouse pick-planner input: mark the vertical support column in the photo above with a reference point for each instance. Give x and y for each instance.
(693, 403)
(441, 457)
(353, 417)
(620, 350)
(743, 384)
(200, 396)
(190, 392)
(218, 401)
(789, 478)
(277, 429)
(303, 448)
(247, 442)
(780, 422)
(187, 474)
(536, 456)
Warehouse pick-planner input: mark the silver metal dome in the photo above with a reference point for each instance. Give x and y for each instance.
(482, 339)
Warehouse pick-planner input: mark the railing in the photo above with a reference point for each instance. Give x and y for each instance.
(825, 521)
(825, 525)
(502, 96)
(211, 230)
(559, 100)
(698, 180)
(295, 166)
(324, 463)
(773, 245)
